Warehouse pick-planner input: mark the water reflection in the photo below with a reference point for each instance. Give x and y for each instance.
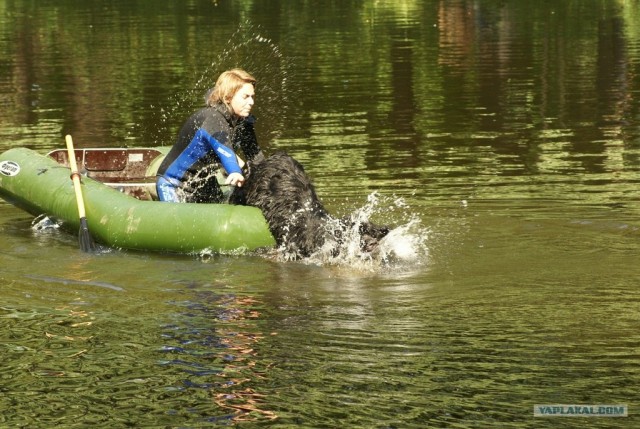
(215, 342)
(483, 56)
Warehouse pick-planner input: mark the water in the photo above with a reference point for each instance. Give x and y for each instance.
(502, 141)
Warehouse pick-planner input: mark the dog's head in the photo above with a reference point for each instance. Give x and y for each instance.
(371, 234)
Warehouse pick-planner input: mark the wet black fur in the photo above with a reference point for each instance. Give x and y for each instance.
(281, 189)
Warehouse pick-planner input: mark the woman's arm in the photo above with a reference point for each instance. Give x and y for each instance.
(227, 156)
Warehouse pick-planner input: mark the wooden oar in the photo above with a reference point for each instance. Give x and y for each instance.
(84, 237)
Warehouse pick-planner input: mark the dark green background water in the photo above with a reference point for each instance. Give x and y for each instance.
(504, 136)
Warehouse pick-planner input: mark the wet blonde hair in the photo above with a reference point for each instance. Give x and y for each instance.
(228, 83)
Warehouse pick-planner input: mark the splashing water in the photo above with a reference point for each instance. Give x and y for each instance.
(246, 48)
(44, 223)
(406, 244)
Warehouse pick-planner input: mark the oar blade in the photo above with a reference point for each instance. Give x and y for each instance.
(84, 237)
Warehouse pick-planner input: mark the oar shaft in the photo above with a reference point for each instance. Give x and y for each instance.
(75, 175)
(84, 236)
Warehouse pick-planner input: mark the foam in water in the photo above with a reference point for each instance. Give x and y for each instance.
(44, 223)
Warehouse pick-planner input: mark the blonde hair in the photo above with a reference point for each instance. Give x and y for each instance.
(228, 83)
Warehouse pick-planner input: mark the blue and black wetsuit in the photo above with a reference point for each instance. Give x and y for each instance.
(207, 139)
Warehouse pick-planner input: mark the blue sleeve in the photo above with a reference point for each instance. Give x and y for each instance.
(227, 156)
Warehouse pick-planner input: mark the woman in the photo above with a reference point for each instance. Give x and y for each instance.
(207, 139)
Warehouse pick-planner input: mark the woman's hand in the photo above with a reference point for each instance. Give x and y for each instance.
(235, 179)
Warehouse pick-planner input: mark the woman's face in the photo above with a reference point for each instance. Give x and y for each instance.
(243, 100)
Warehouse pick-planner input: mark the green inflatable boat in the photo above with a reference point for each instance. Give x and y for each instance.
(118, 186)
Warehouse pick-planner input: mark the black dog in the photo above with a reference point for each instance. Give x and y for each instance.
(301, 225)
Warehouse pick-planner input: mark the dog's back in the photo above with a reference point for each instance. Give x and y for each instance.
(281, 189)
